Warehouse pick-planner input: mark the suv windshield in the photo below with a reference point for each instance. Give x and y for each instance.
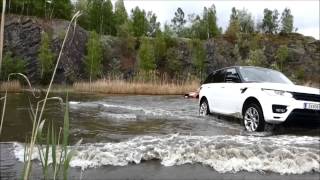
(254, 74)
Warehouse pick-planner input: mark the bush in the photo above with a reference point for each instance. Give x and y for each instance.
(11, 65)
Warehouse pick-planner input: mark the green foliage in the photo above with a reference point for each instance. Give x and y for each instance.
(61, 9)
(120, 13)
(256, 58)
(199, 56)
(270, 21)
(234, 25)
(93, 59)
(281, 56)
(95, 15)
(286, 21)
(160, 49)
(127, 40)
(146, 56)
(139, 23)
(173, 62)
(11, 64)
(107, 19)
(82, 6)
(213, 29)
(46, 58)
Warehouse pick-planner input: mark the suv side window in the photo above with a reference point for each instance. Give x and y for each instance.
(232, 75)
(218, 77)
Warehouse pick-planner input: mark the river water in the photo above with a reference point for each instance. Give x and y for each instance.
(161, 137)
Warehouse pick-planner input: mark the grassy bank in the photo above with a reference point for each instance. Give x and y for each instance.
(143, 88)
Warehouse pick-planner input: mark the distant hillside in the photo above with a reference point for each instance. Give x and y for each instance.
(23, 38)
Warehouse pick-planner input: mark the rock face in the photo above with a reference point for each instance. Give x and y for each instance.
(23, 38)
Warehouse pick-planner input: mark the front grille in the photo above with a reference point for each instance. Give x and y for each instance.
(304, 114)
(306, 97)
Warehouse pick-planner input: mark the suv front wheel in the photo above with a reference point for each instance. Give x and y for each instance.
(253, 119)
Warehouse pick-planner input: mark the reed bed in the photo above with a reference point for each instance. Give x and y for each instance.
(11, 86)
(109, 86)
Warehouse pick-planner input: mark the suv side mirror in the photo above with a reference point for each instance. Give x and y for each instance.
(232, 78)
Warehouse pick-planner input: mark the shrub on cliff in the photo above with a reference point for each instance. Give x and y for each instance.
(93, 59)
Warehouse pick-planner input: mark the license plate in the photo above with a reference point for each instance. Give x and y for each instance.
(312, 106)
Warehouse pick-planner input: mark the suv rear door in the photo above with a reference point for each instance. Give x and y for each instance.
(215, 90)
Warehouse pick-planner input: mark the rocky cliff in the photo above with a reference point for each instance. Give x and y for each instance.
(23, 37)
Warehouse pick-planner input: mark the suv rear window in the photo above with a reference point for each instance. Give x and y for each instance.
(216, 77)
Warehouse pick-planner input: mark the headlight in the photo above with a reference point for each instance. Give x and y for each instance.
(272, 92)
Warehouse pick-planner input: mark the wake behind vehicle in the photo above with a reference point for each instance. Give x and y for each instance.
(257, 96)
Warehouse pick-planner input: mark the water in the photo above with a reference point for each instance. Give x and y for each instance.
(126, 130)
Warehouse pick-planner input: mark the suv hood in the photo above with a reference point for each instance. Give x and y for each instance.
(285, 87)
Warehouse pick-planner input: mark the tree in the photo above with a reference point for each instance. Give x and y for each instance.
(93, 59)
(286, 21)
(120, 13)
(178, 21)
(153, 25)
(213, 29)
(246, 22)
(270, 21)
(95, 15)
(139, 23)
(281, 56)
(107, 19)
(146, 56)
(234, 24)
(46, 57)
(61, 9)
(82, 6)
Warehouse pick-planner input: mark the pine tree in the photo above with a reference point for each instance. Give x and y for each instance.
(270, 21)
(213, 29)
(93, 59)
(139, 23)
(120, 13)
(107, 19)
(286, 21)
(178, 21)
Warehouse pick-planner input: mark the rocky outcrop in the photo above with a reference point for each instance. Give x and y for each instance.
(22, 37)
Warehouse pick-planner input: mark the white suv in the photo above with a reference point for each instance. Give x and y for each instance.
(257, 96)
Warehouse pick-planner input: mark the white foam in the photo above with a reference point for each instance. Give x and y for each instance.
(280, 154)
(114, 116)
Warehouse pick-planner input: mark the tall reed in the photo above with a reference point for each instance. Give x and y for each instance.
(38, 118)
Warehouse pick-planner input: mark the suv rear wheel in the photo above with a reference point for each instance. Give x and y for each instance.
(253, 119)
(204, 108)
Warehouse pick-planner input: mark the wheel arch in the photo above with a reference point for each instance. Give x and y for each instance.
(248, 101)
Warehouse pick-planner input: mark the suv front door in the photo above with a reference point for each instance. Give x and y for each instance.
(231, 93)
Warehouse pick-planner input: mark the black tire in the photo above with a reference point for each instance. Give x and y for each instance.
(253, 119)
(204, 108)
